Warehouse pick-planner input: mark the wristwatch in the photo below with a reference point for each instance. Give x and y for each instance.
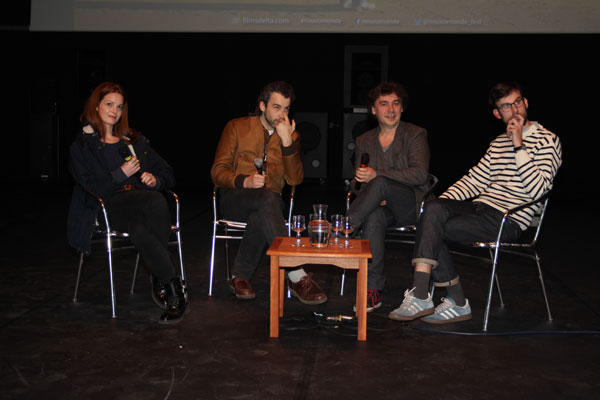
(521, 147)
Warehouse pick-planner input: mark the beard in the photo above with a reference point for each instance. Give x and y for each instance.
(272, 122)
(522, 114)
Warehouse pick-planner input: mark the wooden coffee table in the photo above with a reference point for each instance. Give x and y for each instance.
(284, 255)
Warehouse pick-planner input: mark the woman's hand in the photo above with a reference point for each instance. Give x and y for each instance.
(148, 179)
(131, 167)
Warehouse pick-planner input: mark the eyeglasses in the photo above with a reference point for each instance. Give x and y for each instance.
(508, 106)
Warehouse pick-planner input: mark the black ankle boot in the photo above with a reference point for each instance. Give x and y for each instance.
(176, 302)
(158, 292)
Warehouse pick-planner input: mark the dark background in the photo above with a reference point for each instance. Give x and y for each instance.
(184, 87)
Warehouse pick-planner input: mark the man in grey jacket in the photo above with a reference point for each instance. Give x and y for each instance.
(391, 185)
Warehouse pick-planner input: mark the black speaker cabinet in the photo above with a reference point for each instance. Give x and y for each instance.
(313, 135)
(364, 68)
(354, 126)
(44, 152)
(44, 149)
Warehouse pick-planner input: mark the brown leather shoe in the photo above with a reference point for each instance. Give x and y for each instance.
(242, 289)
(307, 291)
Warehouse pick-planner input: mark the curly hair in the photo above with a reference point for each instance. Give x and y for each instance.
(386, 88)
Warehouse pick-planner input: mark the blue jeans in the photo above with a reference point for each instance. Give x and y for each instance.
(367, 212)
(261, 209)
(446, 221)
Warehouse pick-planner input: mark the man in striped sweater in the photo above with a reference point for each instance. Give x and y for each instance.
(519, 166)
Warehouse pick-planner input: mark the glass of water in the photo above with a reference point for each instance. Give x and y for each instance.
(298, 225)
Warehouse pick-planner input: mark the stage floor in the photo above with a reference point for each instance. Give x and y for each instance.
(54, 348)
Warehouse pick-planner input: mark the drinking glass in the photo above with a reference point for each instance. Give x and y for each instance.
(336, 226)
(347, 228)
(298, 225)
(320, 211)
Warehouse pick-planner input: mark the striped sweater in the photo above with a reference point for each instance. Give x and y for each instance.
(504, 179)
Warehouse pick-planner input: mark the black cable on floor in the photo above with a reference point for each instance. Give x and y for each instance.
(516, 333)
(337, 323)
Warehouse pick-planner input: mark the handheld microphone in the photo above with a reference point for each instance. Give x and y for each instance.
(258, 163)
(364, 160)
(126, 154)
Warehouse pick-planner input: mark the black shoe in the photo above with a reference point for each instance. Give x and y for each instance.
(373, 300)
(176, 303)
(158, 292)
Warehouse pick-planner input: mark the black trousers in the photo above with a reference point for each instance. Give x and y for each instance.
(261, 209)
(144, 214)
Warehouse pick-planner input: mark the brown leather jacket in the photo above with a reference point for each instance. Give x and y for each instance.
(242, 141)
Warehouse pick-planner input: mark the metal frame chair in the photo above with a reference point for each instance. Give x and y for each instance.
(398, 234)
(105, 234)
(227, 229)
(523, 248)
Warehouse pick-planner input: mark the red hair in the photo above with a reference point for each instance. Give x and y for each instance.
(90, 113)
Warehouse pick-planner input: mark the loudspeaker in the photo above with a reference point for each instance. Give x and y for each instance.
(313, 140)
(354, 126)
(364, 68)
(92, 65)
(44, 149)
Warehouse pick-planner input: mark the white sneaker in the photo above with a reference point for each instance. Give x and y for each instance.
(447, 311)
(412, 308)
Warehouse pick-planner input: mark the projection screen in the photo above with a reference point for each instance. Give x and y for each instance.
(327, 16)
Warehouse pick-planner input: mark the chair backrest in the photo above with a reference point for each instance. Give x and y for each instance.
(538, 218)
(530, 236)
(433, 181)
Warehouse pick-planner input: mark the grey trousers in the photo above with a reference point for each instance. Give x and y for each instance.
(367, 212)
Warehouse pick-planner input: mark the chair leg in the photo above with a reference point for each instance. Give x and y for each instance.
(537, 261)
(110, 272)
(499, 291)
(343, 282)
(490, 290)
(112, 284)
(227, 257)
(212, 261)
(497, 281)
(137, 261)
(78, 277)
(181, 268)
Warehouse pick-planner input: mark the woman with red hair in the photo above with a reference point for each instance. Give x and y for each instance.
(116, 163)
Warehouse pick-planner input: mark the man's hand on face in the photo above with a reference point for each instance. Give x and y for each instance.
(284, 130)
(514, 129)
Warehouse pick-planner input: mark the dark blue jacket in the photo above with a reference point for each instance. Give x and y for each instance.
(89, 169)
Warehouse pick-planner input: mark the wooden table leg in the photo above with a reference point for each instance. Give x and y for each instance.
(281, 290)
(274, 307)
(361, 299)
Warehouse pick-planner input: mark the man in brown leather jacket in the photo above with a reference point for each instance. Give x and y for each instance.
(255, 198)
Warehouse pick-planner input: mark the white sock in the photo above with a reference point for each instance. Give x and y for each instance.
(296, 275)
